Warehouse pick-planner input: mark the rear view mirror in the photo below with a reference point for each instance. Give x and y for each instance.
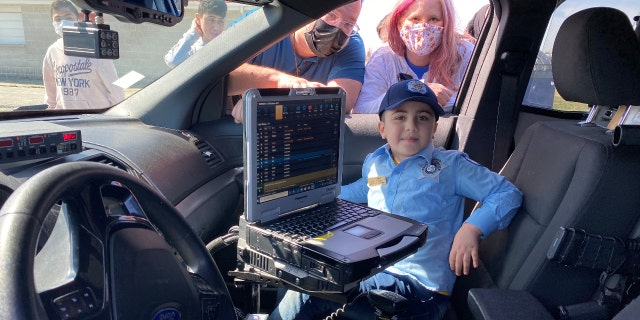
(162, 12)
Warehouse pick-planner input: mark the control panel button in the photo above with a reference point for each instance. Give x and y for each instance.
(76, 304)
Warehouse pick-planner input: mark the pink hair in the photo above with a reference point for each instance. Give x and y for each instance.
(446, 59)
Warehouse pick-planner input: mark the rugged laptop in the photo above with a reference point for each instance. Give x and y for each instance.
(294, 228)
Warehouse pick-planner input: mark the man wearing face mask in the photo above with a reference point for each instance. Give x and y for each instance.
(328, 51)
(76, 82)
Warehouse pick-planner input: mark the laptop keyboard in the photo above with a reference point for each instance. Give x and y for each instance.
(320, 220)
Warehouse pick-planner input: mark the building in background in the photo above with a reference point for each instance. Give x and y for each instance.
(26, 32)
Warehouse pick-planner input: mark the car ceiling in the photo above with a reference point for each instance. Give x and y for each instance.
(314, 9)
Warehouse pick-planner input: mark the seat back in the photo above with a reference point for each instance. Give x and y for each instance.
(569, 175)
(595, 58)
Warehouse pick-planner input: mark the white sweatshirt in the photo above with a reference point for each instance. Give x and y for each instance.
(78, 82)
(382, 72)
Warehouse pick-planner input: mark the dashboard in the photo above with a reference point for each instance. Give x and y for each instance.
(199, 171)
(200, 175)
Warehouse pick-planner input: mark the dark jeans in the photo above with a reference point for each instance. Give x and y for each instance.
(423, 303)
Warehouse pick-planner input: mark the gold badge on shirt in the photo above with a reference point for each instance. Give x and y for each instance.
(377, 181)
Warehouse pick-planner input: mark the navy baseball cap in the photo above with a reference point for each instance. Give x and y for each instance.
(410, 90)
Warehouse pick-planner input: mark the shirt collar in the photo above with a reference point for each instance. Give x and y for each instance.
(426, 153)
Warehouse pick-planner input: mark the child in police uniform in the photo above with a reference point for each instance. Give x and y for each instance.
(410, 177)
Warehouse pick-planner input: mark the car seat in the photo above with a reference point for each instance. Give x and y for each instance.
(571, 176)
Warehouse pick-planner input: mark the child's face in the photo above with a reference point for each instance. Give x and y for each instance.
(408, 128)
(63, 14)
(421, 11)
(211, 25)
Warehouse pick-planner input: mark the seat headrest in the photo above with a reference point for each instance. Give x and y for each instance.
(596, 58)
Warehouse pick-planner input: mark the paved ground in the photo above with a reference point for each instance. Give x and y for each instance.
(16, 95)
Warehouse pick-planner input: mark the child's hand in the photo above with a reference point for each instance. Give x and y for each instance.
(464, 250)
(443, 94)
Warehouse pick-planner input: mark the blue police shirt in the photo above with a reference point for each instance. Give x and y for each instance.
(348, 63)
(430, 187)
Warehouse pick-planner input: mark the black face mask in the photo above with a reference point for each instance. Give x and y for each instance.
(325, 39)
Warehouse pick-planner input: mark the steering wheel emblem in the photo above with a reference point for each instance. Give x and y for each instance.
(167, 314)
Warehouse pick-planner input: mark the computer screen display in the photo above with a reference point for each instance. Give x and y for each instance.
(297, 146)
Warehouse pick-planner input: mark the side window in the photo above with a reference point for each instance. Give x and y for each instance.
(541, 92)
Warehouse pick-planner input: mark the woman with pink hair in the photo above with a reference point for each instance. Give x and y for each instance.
(422, 44)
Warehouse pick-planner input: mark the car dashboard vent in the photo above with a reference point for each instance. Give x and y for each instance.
(210, 154)
(108, 161)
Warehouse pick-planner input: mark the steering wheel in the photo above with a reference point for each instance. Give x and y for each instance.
(126, 266)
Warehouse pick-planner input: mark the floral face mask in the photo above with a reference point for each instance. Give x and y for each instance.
(421, 38)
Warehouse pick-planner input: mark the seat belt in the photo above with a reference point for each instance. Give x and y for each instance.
(507, 115)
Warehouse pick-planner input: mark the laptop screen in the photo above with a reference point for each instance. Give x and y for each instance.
(297, 146)
(293, 149)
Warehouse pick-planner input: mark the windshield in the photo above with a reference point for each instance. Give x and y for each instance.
(37, 74)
